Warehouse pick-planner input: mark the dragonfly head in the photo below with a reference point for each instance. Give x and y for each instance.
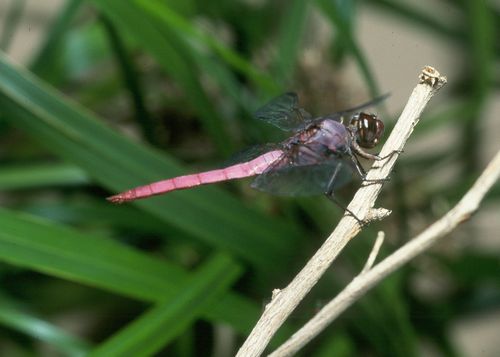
(367, 129)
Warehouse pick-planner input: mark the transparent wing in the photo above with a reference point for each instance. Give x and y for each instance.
(338, 115)
(303, 180)
(249, 154)
(284, 112)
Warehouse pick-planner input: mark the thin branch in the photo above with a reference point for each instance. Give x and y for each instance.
(286, 300)
(373, 254)
(365, 281)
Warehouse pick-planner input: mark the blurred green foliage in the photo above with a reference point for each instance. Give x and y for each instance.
(121, 93)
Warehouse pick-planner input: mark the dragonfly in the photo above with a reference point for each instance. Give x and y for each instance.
(320, 156)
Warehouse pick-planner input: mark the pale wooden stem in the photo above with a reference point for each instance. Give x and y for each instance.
(373, 254)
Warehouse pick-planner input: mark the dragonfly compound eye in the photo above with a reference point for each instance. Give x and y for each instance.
(369, 130)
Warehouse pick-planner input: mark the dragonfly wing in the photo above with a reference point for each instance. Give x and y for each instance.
(284, 112)
(375, 101)
(303, 180)
(249, 153)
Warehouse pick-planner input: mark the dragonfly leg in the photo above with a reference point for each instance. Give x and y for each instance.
(329, 187)
(362, 172)
(359, 167)
(394, 152)
(331, 197)
(359, 150)
(378, 159)
(368, 182)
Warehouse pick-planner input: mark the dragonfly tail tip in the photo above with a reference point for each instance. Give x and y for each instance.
(116, 199)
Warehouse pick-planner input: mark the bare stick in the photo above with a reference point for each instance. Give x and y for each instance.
(286, 300)
(374, 252)
(366, 280)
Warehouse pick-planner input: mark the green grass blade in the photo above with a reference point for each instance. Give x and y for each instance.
(40, 175)
(113, 161)
(481, 41)
(345, 31)
(165, 322)
(49, 50)
(39, 245)
(289, 42)
(13, 316)
(481, 53)
(184, 27)
(174, 56)
(131, 81)
(59, 251)
(81, 212)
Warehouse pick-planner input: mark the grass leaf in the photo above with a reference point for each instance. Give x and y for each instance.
(174, 56)
(39, 175)
(14, 317)
(346, 32)
(166, 321)
(186, 29)
(43, 61)
(37, 244)
(289, 42)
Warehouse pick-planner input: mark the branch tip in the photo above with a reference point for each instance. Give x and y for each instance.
(432, 77)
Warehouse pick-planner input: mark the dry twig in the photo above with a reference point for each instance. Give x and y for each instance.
(373, 254)
(286, 300)
(367, 279)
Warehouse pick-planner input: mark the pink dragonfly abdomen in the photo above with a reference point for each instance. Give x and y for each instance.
(241, 170)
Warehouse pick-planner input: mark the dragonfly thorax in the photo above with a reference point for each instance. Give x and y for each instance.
(333, 135)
